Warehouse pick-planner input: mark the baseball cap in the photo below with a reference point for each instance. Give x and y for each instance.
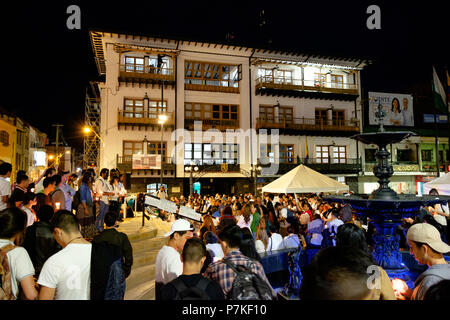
(428, 234)
(179, 225)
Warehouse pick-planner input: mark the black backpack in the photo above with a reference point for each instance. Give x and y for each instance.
(198, 292)
(247, 285)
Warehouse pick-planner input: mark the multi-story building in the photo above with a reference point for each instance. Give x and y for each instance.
(8, 143)
(37, 153)
(220, 100)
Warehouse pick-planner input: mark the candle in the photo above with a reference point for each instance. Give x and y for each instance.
(32, 190)
(399, 285)
(57, 205)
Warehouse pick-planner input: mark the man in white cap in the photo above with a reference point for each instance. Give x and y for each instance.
(168, 262)
(427, 247)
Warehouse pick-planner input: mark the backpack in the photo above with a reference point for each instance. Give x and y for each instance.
(115, 287)
(76, 200)
(198, 292)
(247, 285)
(5, 275)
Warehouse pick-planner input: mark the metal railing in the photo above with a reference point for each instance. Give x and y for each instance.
(302, 84)
(307, 123)
(351, 165)
(146, 72)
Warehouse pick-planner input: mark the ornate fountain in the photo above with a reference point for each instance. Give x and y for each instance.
(384, 206)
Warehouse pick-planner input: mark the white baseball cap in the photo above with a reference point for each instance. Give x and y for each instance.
(179, 225)
(428, 234)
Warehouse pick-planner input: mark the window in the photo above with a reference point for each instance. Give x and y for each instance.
(337, 81)
(321, 116)
(266, 153)
(338, 117)
(404, 155)
(209, 154)
(134, 64)
(134, 108)
(203, 111)
(4, 138)
(130, 148)
(266, 113)
(155, 107)
(285, 114)
(283, 76)
(322, 154)
(370, 155)
(211, 74)
(155, 148)
(339, 154)
(427, 155)
(158, 64)
(286, 153)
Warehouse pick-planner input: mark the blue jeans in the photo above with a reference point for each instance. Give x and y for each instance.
(99, 222)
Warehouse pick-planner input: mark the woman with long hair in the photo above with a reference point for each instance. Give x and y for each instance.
(247, 246)
(262, 239)
(85, 210)
(208, 225)
(246, 217)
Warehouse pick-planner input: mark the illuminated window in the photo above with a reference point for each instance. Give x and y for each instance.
(211, 74)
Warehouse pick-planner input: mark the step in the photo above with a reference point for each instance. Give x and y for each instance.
(148, 244)
(144, 257)
(140, 275)
(138, 233)
(145, 289)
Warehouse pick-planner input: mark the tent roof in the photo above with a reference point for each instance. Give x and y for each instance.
(302, 179)
(441, 184)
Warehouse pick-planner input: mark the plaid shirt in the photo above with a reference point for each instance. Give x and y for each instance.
(224, 275)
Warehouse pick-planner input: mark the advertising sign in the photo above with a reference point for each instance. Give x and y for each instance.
(190, 213)
(146, 161)
(398, 109)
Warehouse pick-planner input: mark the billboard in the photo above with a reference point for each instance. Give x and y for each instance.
(146, 161)
(398, 109)
(429, 118)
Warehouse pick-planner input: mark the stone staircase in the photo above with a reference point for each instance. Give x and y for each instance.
(146, 242)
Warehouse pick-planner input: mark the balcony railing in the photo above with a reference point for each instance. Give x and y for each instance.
(350, 166)
(398, 166)
(219, 168)
(305, 85)
(124, 163)
(307, 124)
(443, 167)
(212, 124)
(228, 86)
(147, 72)
(143, 118)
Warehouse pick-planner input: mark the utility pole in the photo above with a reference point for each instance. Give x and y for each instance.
(57, 144)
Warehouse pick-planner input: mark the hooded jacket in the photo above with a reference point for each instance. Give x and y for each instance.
(430, 277)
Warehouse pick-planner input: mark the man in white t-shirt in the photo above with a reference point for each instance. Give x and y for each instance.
(168, 262)
(67, 274)
(5, 185)
(276, 240)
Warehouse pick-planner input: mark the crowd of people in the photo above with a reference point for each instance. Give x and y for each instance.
(64, 224)
(58, 236)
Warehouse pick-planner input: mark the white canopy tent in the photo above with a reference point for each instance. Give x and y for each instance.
(302, 179)
(441, 184)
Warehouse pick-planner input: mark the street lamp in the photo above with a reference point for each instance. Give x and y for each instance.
(256, 169)
(191, 170)
(162, 118)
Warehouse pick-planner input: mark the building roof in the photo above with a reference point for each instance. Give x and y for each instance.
(259, 53)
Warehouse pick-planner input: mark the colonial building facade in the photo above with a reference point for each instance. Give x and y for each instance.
(235, 115)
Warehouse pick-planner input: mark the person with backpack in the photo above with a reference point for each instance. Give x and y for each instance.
(240, 277)
(82, 201)
(191, 285)
(58, 197)
(16, 268)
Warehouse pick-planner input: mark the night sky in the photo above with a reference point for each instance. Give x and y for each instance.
(46, 67)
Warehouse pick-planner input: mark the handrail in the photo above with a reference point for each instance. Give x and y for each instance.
(129, 159)
(306, 83)
(144, 115)
(314, 161)
(147, 70)
(323, 123)
(213, 122)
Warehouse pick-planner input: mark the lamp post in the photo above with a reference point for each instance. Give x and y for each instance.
(255, 170)
(191, 170)
(162, 118)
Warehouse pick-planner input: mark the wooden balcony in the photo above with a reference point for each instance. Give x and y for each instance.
(148, 74)
(305, 125)
(124, 164)
(306, 85)
(220, 125)
(144, 119)
(205, 85)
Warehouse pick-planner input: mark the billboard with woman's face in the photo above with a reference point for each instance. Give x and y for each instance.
(398, 109)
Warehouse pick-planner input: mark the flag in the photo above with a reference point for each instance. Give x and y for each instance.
(306, 150)
(438, 94)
